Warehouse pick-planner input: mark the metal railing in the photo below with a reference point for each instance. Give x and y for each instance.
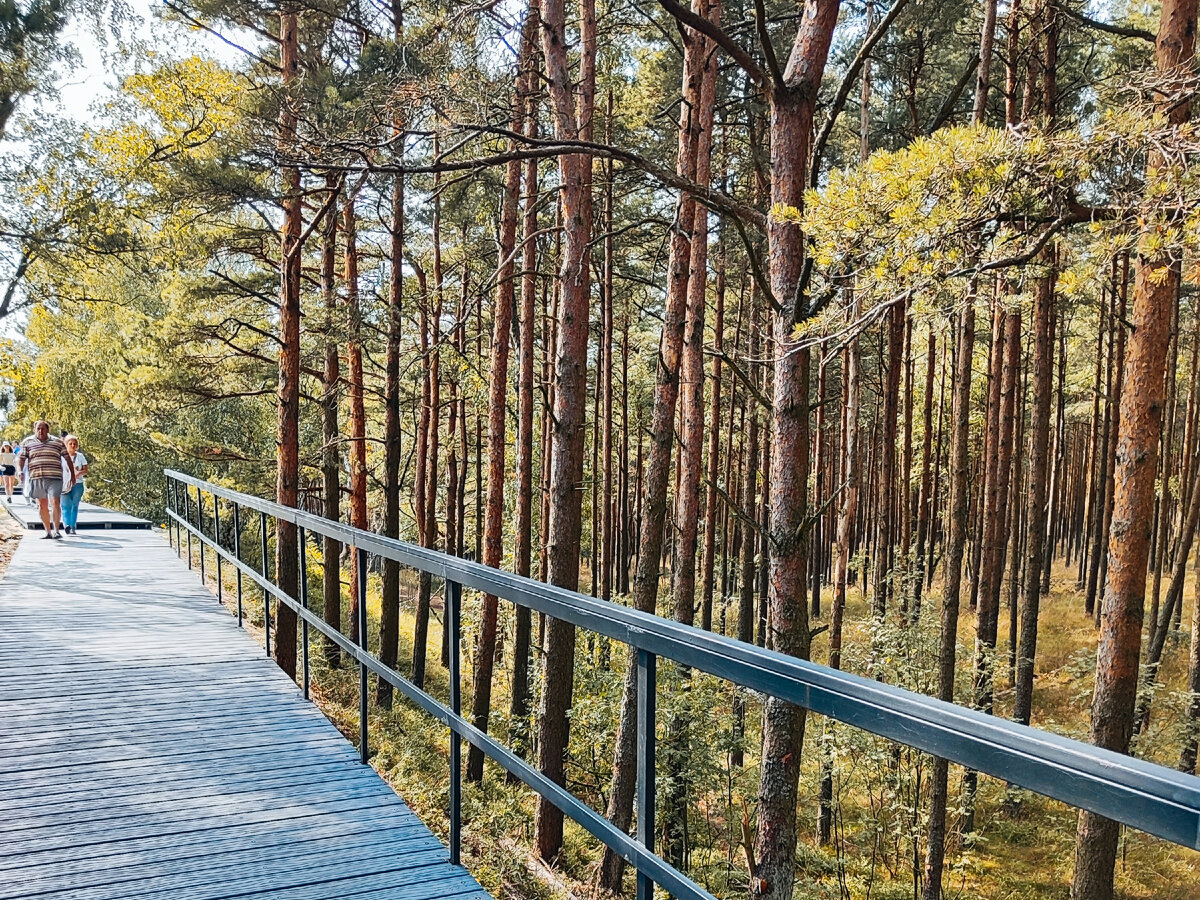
(1139, 794)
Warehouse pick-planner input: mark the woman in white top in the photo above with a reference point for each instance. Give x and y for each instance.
(71, 498)
(8, 469)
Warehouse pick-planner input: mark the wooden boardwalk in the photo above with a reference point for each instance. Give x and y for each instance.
(151, 750)
(90, 516)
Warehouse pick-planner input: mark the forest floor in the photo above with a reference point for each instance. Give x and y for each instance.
(1022, 848)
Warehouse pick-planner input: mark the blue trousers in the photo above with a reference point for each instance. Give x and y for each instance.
(70, 505)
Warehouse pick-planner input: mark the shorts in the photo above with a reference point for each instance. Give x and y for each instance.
(45, 488)
(8, 471)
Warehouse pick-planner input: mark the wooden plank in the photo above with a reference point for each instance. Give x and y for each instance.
(51, 794)
(243, 834)
(151, 751)
(90, 517)
(220, 876)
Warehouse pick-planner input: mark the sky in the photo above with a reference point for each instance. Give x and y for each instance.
(83, 88)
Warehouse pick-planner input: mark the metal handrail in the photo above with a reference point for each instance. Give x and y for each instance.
(1137, 793)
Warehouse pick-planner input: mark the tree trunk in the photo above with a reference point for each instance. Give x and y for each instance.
(1039, 441)
(389, 615)
(1155, 289)
(792, 106)
(358, 416)
(287, 487)
(886, 520)
(714, 431)
(749, 530)
(432, 346)
(925, 502)
(331, 469)
(995, 541)
(523, 526)
(935, 854)
(570, 398)
(658, 465)
(497, 441)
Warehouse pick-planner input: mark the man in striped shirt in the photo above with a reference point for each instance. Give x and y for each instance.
(44, 457)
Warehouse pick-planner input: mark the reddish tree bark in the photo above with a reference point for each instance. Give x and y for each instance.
(708, 563)
(960, 427)
(331, 469)
(497, 442)
(567, 433)
(792, 106)
(389, 614)
(523, 525)
(658, 463)
(1039, 445)
(358, 416)
(1155, 290)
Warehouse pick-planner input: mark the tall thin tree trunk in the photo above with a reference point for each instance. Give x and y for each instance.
(287, 486)
(1039, 441)
(432, 344)
(331, 487)
(573, 121)
(497, 441)
(358, 416)
(658, 466)
(1155, 289)
(389, 616)
(792, 109)
(714, 432)
(925, 502)
(523, 525)
(960, 426)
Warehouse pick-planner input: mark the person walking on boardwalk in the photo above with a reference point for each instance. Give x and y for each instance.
(74, 494)
(8, 469)
(44, 457)
(23, 474)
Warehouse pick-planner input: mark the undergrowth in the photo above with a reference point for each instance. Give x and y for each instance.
(1022, 848)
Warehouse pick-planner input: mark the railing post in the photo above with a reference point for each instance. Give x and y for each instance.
(454, 623)
(175, 522)
(262, 530)
(200, 529)
(304, 604)
(187, 517)
(167, 504)
(217, 541)
(646, 685)
(237, 553)
(361, 575)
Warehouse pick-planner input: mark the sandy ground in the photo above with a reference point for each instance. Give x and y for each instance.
(10, 535)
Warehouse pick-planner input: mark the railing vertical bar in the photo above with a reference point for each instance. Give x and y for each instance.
(200, 530)
(217, 541)
(454, 623)
(262, 533)
(167, 505)
(187, 517)
(304, 603)
(646, 687)
(361, 575)
(237, 552)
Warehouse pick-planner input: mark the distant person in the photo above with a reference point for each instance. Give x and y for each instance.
(23, 474)
(45, 456)
(74, 494)
(8, 469)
